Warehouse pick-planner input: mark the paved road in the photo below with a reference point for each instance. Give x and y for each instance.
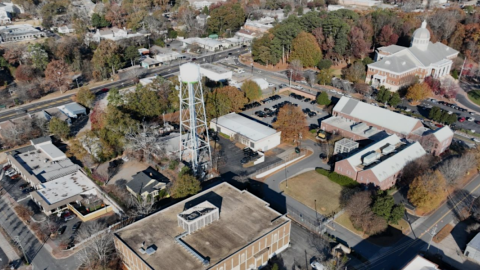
(3, 259)
(169, 69)
(36, 252)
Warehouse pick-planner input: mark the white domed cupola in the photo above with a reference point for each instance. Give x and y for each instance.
(421, 37)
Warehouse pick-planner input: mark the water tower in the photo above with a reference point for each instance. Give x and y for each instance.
(193, 120)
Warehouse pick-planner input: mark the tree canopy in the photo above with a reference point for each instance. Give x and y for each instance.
(306, 49)
(292, 123)
(252, 90)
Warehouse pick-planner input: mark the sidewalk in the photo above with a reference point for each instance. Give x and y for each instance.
(8, 249)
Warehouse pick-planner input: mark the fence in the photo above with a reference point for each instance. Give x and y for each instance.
(284, 160)
(314, 224)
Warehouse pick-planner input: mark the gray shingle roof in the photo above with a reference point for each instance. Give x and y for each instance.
(140, 180)
(475, 243)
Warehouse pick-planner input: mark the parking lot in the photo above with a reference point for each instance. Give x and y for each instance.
(271, 105)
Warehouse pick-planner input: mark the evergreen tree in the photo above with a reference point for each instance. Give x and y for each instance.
(323, 99)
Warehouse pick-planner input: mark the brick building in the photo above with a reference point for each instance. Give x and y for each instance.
(396, 66)
(221, 228)
(381, 162)
(359, 120)
(437, 141)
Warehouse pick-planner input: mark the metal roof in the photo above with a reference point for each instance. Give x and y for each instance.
(40, 140)
(391, 49)
(443, 133)
(245, 126)
(475, 243)
(375, 115)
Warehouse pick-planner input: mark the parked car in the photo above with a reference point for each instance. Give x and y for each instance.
(10, 172)
(245, 160)
(76, 226)
(68, 216)
(476, 140)
(461, 119)
(470, 119)
(61, 230)
(104, 90)
(317, 266)
(28, 190)
(23, 186)
(6, 167)
(15, 176)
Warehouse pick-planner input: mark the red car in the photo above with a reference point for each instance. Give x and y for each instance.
(461, 119)
(438, 125)
(104, 90)
(6, 167)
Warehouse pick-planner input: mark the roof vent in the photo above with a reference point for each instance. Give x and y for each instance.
(388, 149)
(403, 63)
(387, 62)
(370, 158)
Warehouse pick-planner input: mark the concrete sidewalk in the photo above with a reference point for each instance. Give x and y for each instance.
(8, 249)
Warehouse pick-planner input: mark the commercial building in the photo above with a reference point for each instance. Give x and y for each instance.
(149, 63)
(164, 55)
(261, 82)
(345, 146)
(19, 32)
(221, 228)
(396, 66)
(147, 183)
(73, 109)
(59, 183)
(215, 72)
(359, 120)
(247, 131)
(381, 162)
(473, 249)
(261, 26)
(420, 263)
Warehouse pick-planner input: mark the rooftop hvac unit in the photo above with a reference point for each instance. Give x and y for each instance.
(367, 160)
(370, 131)
(359, 127)
(389, 149)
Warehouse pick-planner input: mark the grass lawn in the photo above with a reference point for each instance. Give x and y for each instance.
(310, 186)
(474, 96)
(391, 235)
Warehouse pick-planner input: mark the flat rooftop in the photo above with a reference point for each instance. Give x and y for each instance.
(214, 68)
(65, 187)
(245, 126)
(39, 163)
(243, 219)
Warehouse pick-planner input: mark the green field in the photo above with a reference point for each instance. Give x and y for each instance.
(474, 96)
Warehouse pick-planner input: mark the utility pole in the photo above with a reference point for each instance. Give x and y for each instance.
(17, 239)
(286, 177)
(432, 234)
(461, 71)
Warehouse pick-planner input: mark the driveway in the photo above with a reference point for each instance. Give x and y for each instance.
(232, 155)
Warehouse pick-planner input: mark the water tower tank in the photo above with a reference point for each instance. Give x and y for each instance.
(190, 73)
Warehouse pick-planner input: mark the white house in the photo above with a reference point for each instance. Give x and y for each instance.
(247, 131)
(19, 32)
(165, 55)
(66, 29)
(113, 33)
(6, 12)
(73, 109)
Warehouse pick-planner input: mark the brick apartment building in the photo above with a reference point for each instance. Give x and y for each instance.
(221, 228)
(381, 162)
(396, 66)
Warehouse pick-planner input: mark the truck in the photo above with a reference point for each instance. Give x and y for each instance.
(321, 135)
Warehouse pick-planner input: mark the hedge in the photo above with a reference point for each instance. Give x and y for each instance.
(338, 178)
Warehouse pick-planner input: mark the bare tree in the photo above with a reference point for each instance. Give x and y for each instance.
(321, 245)
(311, 78)
(140, 206)
(97, 251)
(453, 169)
(134, 73)
(144, 142)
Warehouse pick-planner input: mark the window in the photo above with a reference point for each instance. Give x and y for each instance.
(252, 145)
(242, 258)
(275, 238)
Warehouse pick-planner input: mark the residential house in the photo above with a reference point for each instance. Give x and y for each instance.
(165, 55)
(149, 63)
(147, 183)
(113, 33)
(73, 109)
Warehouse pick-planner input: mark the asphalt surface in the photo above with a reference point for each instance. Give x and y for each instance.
(3, 259)
(164, 70)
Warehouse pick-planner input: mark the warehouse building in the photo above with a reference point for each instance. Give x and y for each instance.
(247, 131)
(221, 228)
(381, 162)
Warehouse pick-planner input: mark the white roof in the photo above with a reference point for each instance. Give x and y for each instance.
(75, 108)
(475, 243)
(52, 151)
(396, 162)
(375, 115)
(443, 133)
(65, 187)
(244, 126)
(391, 49)
(420, 263)
(261, 82)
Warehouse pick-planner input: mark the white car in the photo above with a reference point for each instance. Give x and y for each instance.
(471, 113)
(11, 172)
(476, 140)
(450, 112)
(317, 266)
(271, 85)
(470, 119)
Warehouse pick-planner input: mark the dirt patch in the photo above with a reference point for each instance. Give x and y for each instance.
(127, 170)
(311, 187)
(443, 233)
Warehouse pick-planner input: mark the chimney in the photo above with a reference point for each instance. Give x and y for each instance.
(151, 174)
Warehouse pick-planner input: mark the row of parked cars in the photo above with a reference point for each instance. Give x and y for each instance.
(251, 105)
(302, 98)
(309, 112)
(270, 99)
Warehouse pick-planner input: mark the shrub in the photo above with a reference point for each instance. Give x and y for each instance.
(455, 74)
(342, 180)
(173, 164)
